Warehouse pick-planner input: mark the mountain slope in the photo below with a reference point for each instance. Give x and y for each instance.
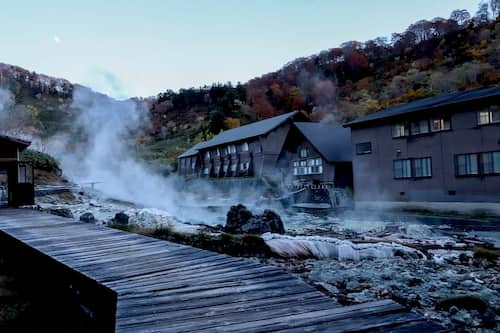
(339, 84)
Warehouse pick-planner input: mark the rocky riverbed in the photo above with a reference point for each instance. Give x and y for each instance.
(447, 269)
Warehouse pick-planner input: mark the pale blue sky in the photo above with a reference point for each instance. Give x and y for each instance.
(139, 48)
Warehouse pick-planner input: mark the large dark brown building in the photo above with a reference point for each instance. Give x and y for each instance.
(16, 177)
(280, 149)
(438, 149)
(246, 151)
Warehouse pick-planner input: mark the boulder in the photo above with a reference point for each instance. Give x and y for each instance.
(87, 217)
(237, 216)
(64, 212)
(121, 218)
(241, 221)
(467, 302)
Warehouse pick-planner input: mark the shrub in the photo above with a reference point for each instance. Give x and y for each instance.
(41, 161)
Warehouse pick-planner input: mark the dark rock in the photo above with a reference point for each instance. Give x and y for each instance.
(121, 218)
(87, 217)
(241, 221)
(415, 281)
(64, 212)
(468, 302)
(236, 217)
(488, 319)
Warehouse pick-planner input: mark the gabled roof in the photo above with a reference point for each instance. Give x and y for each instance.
(248, 131)
(190, 152)
(429, 103)
(22, 144)
(333, 142)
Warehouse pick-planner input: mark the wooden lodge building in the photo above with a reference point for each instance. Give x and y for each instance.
(16, 177)
(287, 149)
(439, 149)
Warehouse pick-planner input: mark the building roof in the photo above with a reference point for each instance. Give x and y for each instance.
(190, 152)
(333, 142)
(248, 131)
(429, 103)
(23, 144)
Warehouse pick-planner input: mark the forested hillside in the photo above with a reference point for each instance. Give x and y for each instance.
(338, 84)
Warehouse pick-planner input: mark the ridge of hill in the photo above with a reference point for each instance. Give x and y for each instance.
(339, 84)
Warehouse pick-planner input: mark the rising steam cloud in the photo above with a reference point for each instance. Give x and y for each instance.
(104, 154)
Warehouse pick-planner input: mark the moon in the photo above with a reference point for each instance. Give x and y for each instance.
(57, 40)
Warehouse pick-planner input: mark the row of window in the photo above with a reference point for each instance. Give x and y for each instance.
(492, 115)
(229, 149)
(477, 164)
(484, 117)
(412, 168)
(244, 166)
(313, 166)
(420, 127)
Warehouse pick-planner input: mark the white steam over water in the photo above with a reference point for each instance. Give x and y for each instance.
(106, 157)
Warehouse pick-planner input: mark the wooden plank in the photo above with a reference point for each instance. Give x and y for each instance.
(241, 277)
(372, 322)
(207, 320)
(219, 304)
(354, 312)
(200, 265)
(217, 273)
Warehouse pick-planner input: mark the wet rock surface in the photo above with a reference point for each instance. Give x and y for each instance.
(240, 220)
(87, 217)
(461, 296)
(64, 212)
(121, 218)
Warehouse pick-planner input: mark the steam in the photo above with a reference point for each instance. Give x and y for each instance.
(6, 102)
(103, 151)
(101, 148)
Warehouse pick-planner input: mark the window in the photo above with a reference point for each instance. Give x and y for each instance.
(303, 152)
(207, 155)
(419, 127)
(440, 124)
(316, 166)
(486, 163)
(233, 167)
(422, 167)
(193, 163)
(466, 164)
(244, 166)
(496, 162)
(363, 148)
(483, 117)
(413, 168)
(492, 115)
(399, 130)
(490, 163)
(402, 169)
(205, 171)
(244, 146)
(308, 167)
(22, 174)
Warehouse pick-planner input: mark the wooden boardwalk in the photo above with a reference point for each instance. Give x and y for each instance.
(159, 286)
